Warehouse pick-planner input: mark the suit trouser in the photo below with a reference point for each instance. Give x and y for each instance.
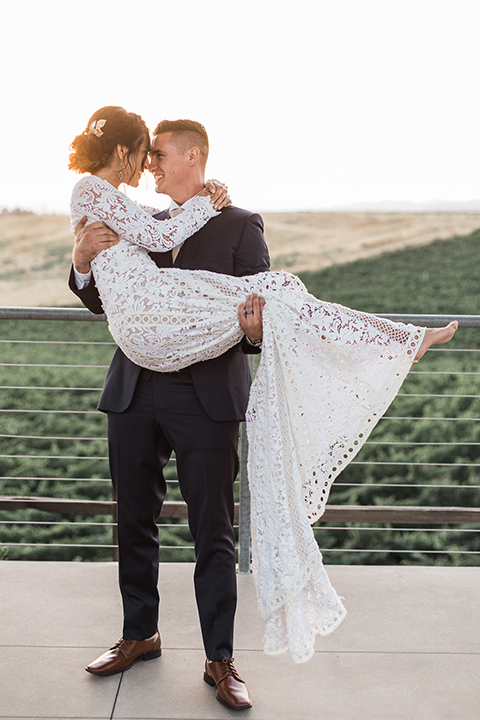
(165, 415)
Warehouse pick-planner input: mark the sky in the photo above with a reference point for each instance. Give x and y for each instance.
(309, 104)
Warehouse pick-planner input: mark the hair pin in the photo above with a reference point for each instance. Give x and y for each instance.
(96, 128)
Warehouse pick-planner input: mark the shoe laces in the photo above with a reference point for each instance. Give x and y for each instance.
(229, 669)
(121, 643)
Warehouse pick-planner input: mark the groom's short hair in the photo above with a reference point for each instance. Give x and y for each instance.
(186, 134)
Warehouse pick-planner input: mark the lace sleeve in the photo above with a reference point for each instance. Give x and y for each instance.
(99, 200)
(149, 209)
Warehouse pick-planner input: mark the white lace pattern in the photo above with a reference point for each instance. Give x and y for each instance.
(99, 200)
(326, 376)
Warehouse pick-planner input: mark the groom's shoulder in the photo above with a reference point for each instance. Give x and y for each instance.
(235, 211)
(236, 214)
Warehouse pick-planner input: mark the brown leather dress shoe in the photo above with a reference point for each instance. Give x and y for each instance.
(231, 689)
(124, 654)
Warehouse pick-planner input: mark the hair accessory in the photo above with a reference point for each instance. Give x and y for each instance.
(95, 128)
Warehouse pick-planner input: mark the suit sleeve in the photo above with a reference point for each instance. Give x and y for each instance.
(89, 295)
(252, 256)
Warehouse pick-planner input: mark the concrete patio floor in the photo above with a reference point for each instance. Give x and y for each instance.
(408, 649)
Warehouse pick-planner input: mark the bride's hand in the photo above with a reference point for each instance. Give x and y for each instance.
(218, 192)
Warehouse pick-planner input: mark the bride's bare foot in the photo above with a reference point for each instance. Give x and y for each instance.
(436, 336)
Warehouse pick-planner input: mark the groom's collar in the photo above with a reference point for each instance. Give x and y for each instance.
(185, 205)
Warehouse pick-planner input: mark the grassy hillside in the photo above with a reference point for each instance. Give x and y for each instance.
(442, 277)
(35, 250)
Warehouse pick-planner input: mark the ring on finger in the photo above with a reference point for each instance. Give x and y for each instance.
(248, 312)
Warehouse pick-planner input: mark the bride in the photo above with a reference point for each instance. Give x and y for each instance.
(326, 375)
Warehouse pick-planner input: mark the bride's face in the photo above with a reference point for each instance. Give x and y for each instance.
(137, 165)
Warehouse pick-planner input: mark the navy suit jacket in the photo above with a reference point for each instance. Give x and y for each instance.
(231, 243)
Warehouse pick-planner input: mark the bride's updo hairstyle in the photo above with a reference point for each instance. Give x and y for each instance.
(108, 127)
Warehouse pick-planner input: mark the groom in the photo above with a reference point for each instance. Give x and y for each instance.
(194, 412)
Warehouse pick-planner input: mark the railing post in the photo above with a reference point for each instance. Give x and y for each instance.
(115, 527)
(244, 523)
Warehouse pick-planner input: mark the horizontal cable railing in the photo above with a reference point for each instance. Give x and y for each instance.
(417, 470)
(39, 361)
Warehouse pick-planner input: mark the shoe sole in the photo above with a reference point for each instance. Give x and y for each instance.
(210, 681)
(149, 656)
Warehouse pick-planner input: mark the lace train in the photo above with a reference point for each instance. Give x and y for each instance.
(326, 376)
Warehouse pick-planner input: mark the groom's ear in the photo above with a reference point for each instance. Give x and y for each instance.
(193, 155)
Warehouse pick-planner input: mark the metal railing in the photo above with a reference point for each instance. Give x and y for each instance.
(28, 373)
(171, 510)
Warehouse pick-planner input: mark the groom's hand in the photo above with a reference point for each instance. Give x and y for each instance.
(250, 317)
(89, 241)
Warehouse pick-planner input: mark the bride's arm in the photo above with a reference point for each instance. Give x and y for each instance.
(149, 210)
(99, 201)
(219, 197)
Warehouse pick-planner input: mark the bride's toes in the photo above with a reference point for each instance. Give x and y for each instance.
(443, 335)
(436, 336)
(452, 329)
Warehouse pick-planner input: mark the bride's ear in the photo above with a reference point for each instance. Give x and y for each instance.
(121, 152)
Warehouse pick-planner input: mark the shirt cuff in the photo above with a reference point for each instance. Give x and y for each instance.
(81, 279)
(253, 344)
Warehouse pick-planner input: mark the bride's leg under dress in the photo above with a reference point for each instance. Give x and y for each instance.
(168, 319)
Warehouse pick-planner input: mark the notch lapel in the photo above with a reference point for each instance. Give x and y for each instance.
(187, 251)
(186, 254)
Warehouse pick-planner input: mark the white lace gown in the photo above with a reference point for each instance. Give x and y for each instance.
(326, 376)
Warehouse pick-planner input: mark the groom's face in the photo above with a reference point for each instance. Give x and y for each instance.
(170, 170)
